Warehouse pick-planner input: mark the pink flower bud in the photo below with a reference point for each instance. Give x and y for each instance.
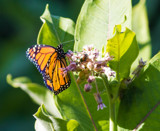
(96, 53)
(74, 57)
(98, 99)
(88, 48)
(107, 57)
(97, 66)
(142, 63)
(108, 72)
(91, 79)
(72, 66)
(139, 67)
(101, 106)
(87, 87)
(90, 65)
(82, 66)
(69, 54)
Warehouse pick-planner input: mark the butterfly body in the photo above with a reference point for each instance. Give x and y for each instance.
(49, 60)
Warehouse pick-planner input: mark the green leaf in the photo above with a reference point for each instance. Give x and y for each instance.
(72, 125)
(56, 30)
(38, 93)
(140, 105)
(97, 19)
(141, 28)
(72, 104)
(123, 47)
(46, 122)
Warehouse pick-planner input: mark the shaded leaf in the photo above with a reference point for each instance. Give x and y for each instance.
(140, 105)
(97, 19)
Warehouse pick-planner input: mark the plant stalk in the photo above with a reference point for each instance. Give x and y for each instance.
(112, 116)
(112, 106)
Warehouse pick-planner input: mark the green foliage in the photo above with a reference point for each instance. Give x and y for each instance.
(74, 109)
(123, 47)
(46, 122)
(56, 30)
(141, 101)
(38, 93)
(97, 19)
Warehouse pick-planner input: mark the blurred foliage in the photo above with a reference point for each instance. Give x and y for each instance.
(19, 27)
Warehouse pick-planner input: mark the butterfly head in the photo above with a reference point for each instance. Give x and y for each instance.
(60, 46)
(60, 51)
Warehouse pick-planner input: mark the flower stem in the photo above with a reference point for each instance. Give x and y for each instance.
(112, 116)
(112, 106)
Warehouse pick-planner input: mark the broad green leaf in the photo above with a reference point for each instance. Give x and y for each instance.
(46, 122)
(141, 27)
(123, 47)
(140, 105)
(97, 19)
(38, 93)
(56, 30)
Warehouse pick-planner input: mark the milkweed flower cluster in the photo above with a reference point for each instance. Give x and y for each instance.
(89, 64)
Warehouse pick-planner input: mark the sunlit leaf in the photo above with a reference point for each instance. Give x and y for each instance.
(124, 49)
(46, 122)
(97, 19)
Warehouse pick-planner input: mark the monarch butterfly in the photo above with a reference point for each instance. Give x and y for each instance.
(49, 60)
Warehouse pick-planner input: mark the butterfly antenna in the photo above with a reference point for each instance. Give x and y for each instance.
(56, 32)
(67, 41)
(68, 46)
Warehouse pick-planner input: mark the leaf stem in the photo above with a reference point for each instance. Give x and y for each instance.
(112, 106)
(112, 116)
(85, 103)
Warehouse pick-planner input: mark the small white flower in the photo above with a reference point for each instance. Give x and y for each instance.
(108, 72)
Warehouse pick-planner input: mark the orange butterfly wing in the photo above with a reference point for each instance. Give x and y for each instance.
(39, 55)
(53, 71)
(49, 61)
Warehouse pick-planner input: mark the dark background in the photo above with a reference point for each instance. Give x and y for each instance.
(19, 27)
